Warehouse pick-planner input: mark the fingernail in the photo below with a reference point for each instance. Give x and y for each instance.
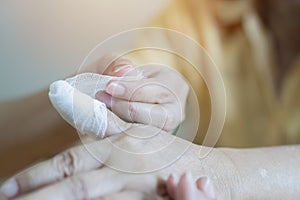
(115, 88)
(207, 187)
(9, 188)
(121, 67)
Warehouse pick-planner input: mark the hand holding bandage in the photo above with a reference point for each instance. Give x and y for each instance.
(105, 105)
(75, 100)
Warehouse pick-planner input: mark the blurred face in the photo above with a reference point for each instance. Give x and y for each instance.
(282, 18)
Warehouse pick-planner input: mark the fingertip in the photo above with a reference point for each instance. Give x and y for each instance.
(186, 178)
(170, 179)
(173, 178)
(172, 184)
(10, 188)
(185, 186)
(204, 184)
(115, 88)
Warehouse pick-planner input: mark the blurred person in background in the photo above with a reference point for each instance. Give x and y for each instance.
(256, 46)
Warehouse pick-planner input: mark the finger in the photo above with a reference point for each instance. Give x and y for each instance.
(75, 187)
(172, 183)
(72, 161)
(94, 184)
(204, 184)
(145, 90)
(137, 112)
(106, 64)
(185, 187)
(119, 66)
(83, 112)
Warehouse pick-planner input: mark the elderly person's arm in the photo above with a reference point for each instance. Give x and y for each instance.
(259, 173)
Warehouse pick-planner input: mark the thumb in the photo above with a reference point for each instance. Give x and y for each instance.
(87, 115)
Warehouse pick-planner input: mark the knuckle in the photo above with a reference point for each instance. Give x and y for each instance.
(78, 188)
(65, 163)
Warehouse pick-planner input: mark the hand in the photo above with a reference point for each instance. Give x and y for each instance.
(185, 189)
(158, 99)
(76, 174)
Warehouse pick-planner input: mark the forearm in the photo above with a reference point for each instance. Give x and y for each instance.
(30, 130)
(265, 173)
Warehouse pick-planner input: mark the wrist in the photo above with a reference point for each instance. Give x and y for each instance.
(220, 167)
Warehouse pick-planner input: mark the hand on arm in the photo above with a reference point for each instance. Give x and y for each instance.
(76, 174)
(263, 173)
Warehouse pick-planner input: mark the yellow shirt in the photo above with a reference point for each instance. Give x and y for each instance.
(233, 35)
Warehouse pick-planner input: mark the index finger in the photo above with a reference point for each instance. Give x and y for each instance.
(93, 184)
(144, 90)
(74, 160)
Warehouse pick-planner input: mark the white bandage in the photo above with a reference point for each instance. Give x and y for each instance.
(74, 99)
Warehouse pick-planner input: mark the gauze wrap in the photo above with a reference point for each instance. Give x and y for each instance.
(74, 99)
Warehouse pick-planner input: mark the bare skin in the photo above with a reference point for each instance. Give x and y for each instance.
(234, 173)
(260, 173)
(40, 135)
